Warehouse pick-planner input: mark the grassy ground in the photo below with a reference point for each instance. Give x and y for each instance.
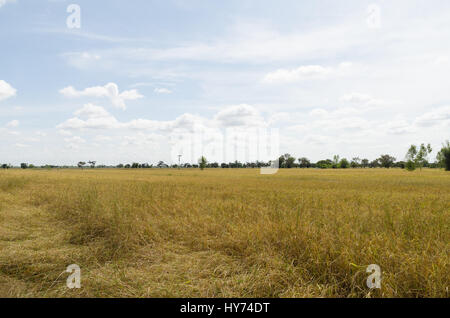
(224, 232)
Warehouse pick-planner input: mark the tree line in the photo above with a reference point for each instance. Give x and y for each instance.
(415, 158)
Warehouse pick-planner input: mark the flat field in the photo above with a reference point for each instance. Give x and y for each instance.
(224, 232)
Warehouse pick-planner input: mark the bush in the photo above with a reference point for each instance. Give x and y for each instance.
(410, 165)
(443, 156)
(344, 164)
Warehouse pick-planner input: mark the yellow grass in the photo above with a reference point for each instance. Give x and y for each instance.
(224, 232)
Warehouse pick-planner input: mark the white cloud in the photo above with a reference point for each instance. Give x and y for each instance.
(398, 127)
(12, 123)
(64, 132)
(162, 91)
(110, 90)
(92, 111)
(96, 117)
(318, 112)
(366, 102)
(41, 133)
(75, 140)
(435, 117)
(297, 74)
(240, 115)
(101, 138)
(6, 90)
(3, 2)
(90, 117)
(355, 98)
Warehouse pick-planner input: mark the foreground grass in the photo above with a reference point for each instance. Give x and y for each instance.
(224, 232)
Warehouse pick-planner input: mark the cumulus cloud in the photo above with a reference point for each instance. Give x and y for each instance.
(75, 139)
(110, 90)
(435, 117)
(355, 98)
(90, 117)
(366, 101)
(12, 123)
(162, 91)
(96, 117)
(398, 127)
(3, 2)
(308, 72)
(240, 115)
(297, 74)
(6, 90)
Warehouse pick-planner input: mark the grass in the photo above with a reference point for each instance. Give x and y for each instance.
(224, 232)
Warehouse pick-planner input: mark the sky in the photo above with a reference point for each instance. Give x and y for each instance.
(136, 81)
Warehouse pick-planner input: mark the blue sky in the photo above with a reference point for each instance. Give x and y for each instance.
(355, 78)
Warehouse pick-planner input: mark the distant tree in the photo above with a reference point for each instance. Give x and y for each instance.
(422, 155)
(24, 165)
(374, 164)
(135, 165)
(31, 166)
(120, 165)
(224, 165)
(304, 162)
(235, 164)
(336, 160)
(443, 156)
(287, 161)
(324, 164)
(202, 162)
(161, 164)
(214, 165)
(81, 164)
(400, 164)
(92, 163)
(5, 166)
(127, 166)
(410, 165)
(418, 156)
(355, 163)
(365, 163)
(343, 163)
(386, 161)
(281, 161)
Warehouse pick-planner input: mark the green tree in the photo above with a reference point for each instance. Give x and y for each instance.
(356, 162)
(324, 164)
(81, 164)
(443, 156)
(24, 165)
(418, 156)
(336, 160)
(410, 165)
(135, 165)
(343, 163)
(386, 161)
(304, 162)
(365, 163)
(422, 155)
(202, 162)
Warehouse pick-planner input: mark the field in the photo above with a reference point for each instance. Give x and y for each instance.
(224, 232)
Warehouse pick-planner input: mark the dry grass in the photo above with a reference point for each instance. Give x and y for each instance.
(224, 233)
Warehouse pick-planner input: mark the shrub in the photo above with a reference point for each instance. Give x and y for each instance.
(443, 156)
(410, 165)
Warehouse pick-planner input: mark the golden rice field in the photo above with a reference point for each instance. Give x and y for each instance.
(224, 232)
